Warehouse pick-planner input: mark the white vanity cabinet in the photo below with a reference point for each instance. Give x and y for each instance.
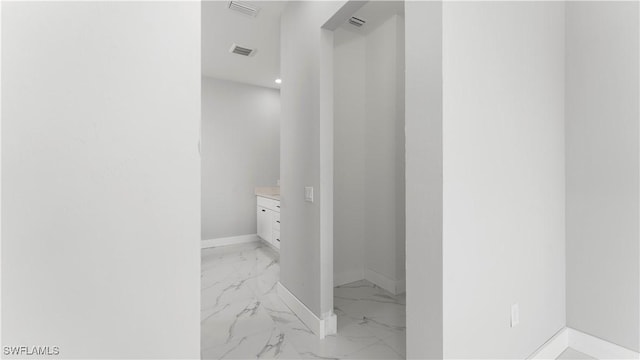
(268, 218)
(264, 223)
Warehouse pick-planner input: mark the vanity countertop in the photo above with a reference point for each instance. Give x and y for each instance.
(268, 192)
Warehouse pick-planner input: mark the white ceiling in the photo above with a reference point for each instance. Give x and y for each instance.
(375, 13)
(221, 27)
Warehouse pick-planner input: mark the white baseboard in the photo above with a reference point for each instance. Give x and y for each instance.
(553, 347)
(393, 286)
(231, 240)
(584, 343)
(347, 277)
(321, 327)
(599, 348)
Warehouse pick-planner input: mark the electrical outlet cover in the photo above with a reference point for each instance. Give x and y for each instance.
(515, 315)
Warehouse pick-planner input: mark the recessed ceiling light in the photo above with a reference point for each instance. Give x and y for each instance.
(278, 81)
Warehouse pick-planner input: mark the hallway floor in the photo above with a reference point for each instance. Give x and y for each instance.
(571, 354)
(242, 317)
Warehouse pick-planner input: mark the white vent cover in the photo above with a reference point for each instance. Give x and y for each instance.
(356, 21)
(244, 8)
(241, 50)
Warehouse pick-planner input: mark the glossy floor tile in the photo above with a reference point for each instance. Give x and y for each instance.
(242, 317)
(572, 354)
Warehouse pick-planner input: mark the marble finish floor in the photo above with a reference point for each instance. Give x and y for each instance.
(242, 317)
(571, 354)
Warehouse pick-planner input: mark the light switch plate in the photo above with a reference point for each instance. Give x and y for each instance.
(308, 193)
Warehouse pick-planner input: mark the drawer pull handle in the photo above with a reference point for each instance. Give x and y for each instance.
(278, 240)
(278, 206)
(278, 221)
(263, 210)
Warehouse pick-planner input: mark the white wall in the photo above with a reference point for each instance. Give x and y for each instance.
(400, 153)
(423, 123)
(602, 115)
(101, 179)
(504, 183)
(240, 151)
(302, 253)
(349, 156)
(485, 174)
(384, 156)
(369, 154)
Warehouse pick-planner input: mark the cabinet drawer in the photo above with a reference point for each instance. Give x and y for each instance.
(276, 238)
(276, 221)
(269, 203)
(265, 223)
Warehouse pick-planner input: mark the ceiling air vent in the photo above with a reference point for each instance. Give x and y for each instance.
(236, 49)
(356, 21)
(243, 7)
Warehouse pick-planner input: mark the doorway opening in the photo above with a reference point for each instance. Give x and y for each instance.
(369, 173)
